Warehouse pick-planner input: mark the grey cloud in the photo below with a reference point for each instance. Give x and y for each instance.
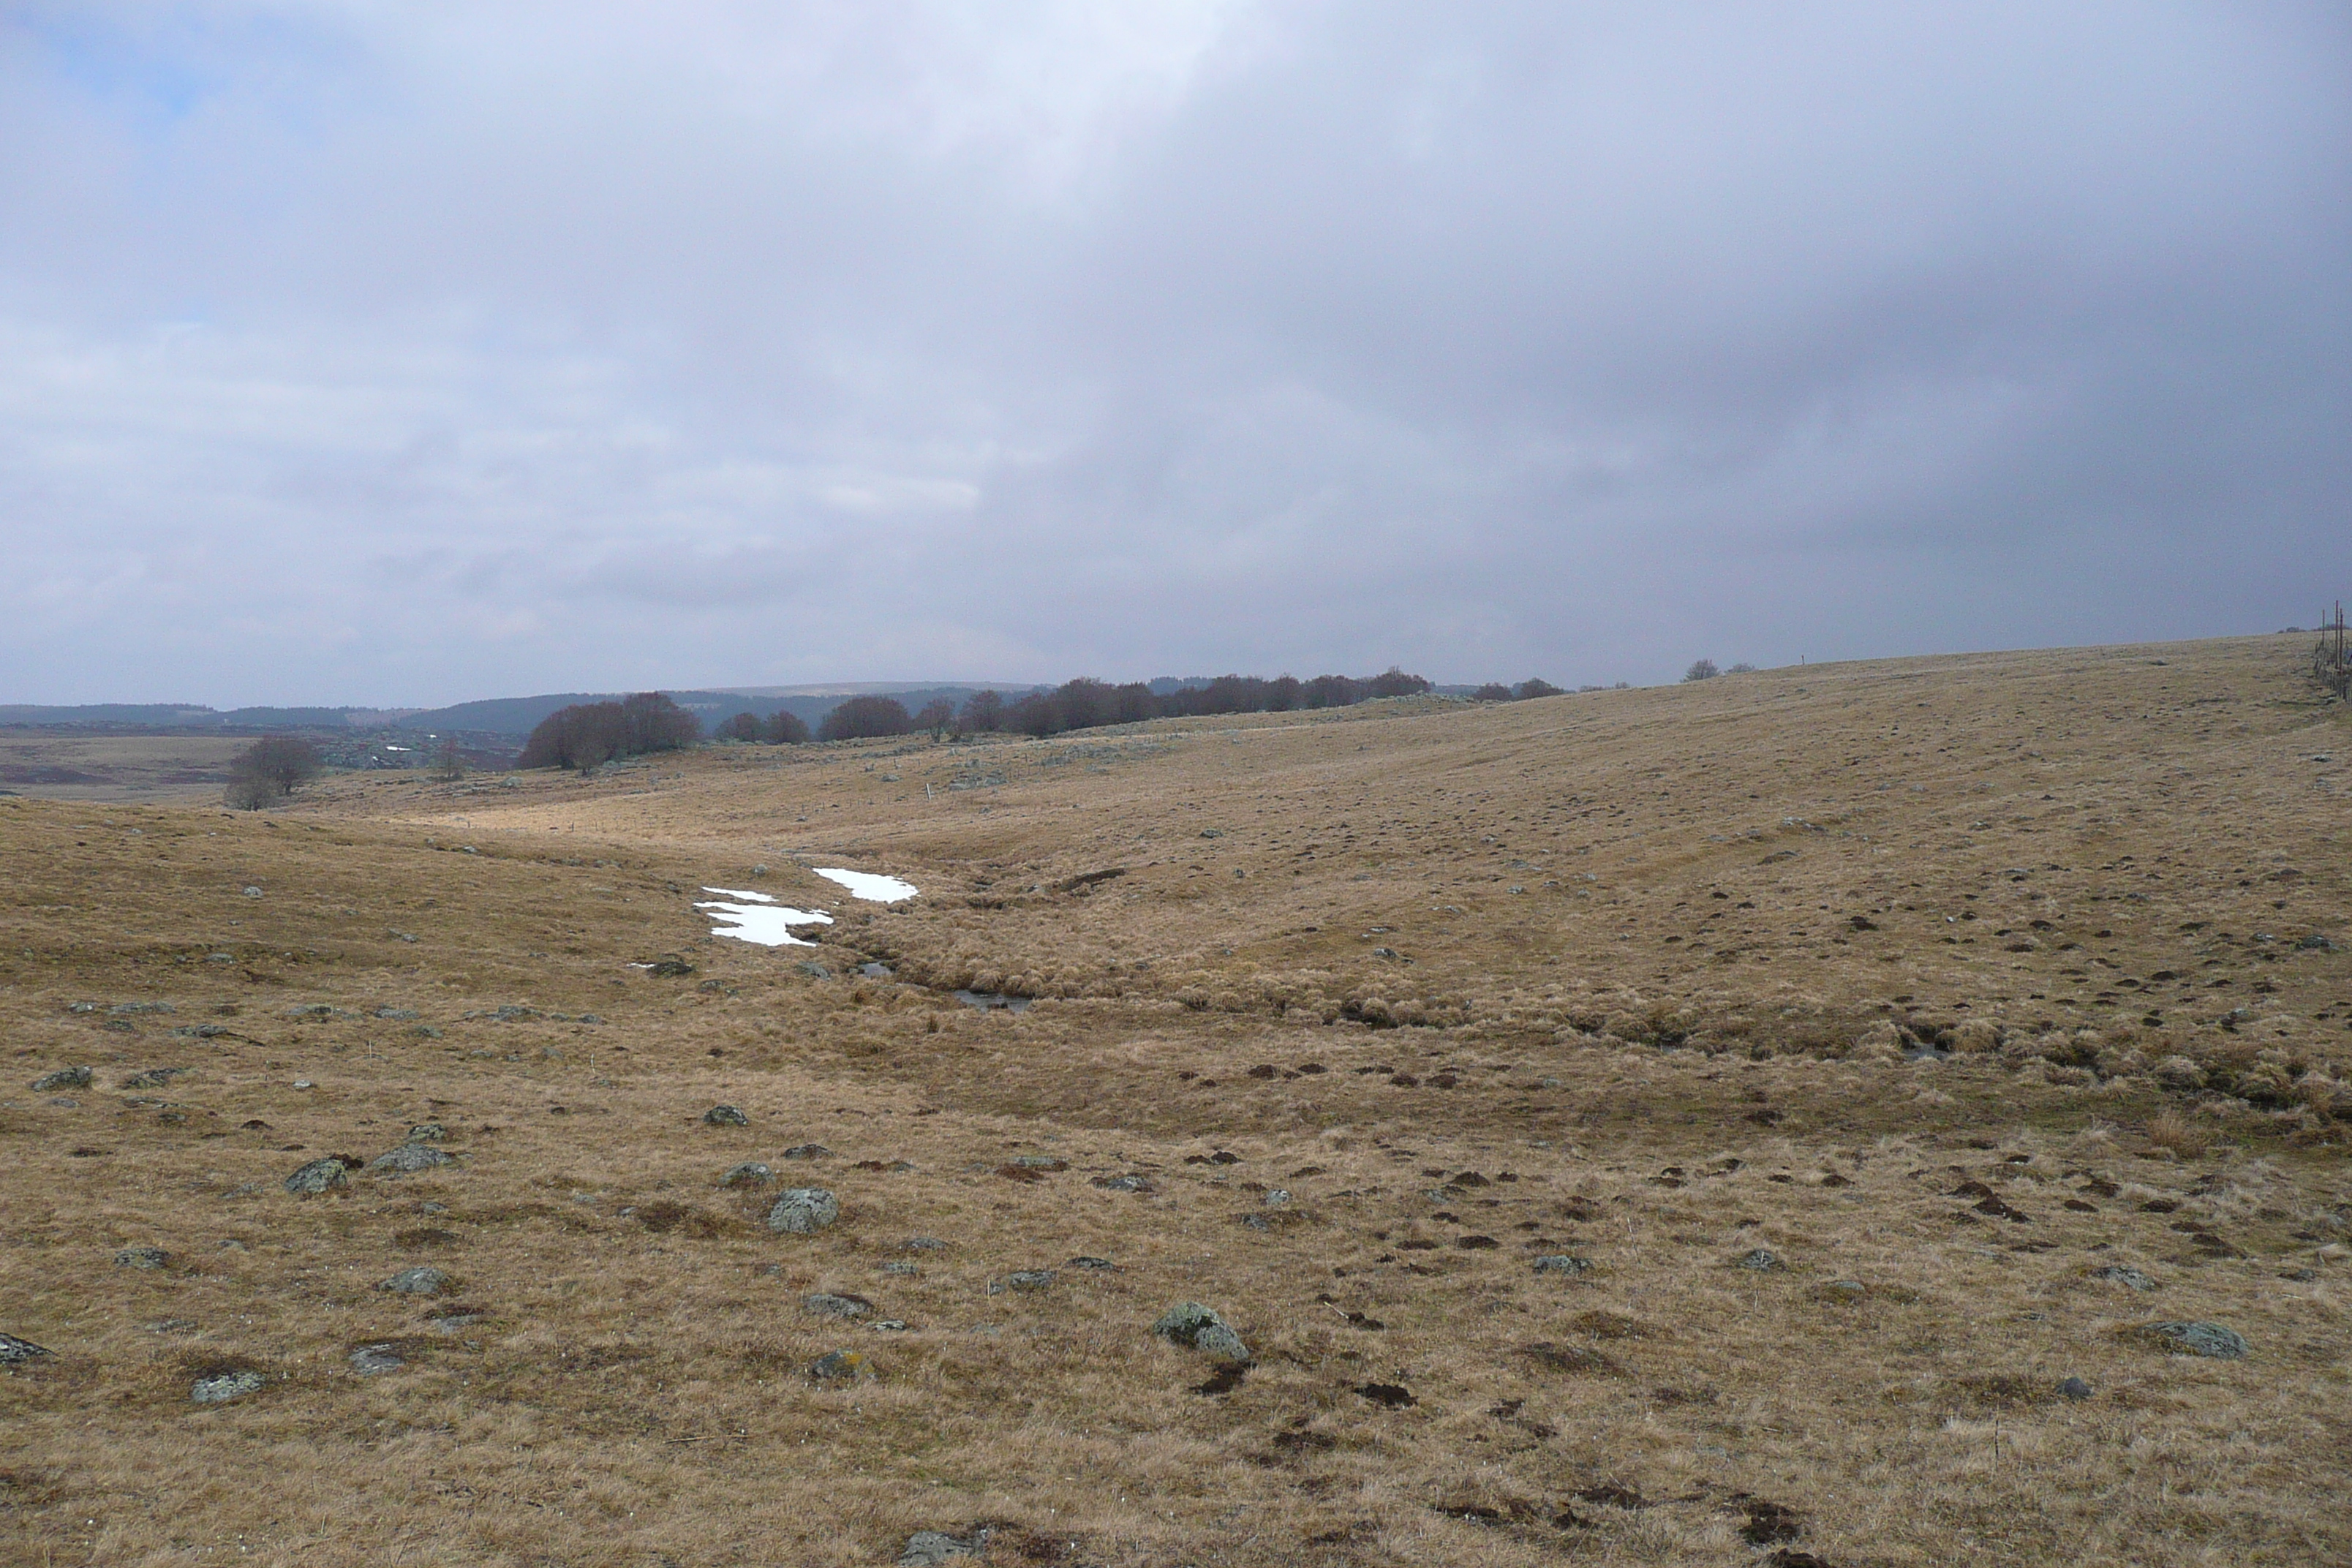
(745, 344)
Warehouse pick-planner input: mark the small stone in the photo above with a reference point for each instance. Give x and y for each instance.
(14, 1352)
(1031, 1279)
(726, 1116)
(843, 1366)
(812, 968)
(803, 1210)
(750, 1174)
(142, 1258)
(1039, 1162)
(923, 1244)
(369, 1360)
(2074, 1388)
(1097, 1264)
(318, 1176)
(2202, 1338)
(1276, 1198)
(901, 1268)
(428, 1133)
(1190, 1323)
(929, 1548)
(807, 1152)
(422, 1281)
(64, 1077)
(2124, 1274)
(827, 1304)
(222, 1387)
(411, 1157)
(1133, 1182)
(1762, 1260)
(1562, 1263)
(889, 1326)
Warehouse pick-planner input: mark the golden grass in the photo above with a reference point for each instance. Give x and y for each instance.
(1613, 1063)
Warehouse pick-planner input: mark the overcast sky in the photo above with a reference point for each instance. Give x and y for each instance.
(411, 351)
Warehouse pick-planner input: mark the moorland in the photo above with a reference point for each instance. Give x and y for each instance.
(1877, 1113)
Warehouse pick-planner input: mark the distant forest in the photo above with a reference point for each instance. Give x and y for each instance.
(588, 734)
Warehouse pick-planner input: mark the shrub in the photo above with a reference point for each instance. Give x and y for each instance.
(1535, 686)
(743, 727)
(1701, 669)
(1493, 692)
(863, 718)
(272, 768)
(784, 729)
(1742, 667)
(936, 716)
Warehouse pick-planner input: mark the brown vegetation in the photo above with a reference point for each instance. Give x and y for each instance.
(1343, 1021)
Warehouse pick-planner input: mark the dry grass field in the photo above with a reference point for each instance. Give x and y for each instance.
(1885, 1044)
(68, 764)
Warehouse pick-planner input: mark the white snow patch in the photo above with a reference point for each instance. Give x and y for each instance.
(740, 895)
(869, 886)
(768, 924)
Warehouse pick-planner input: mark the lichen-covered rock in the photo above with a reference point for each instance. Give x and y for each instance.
(844, 1366)
(411, 1157)
(223, 1386)
(14, 1352)
(929, 1548)
(428, 1133)
(1192, 1324)
(422, 1281)
(1562, 1263)
(803, 1210)
(829, 1304)
(1761, 1261)
(318, 1176)
(2200, 1339)
(64, 1077)
(750, 1173)
(726, 1116)
(142, 1258)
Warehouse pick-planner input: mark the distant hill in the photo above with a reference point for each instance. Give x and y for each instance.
(188, 716)
(521, 715)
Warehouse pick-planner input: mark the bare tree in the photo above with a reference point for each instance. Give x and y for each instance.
(860, 718)
(1701, 669)
(936, 716)
(743, 727)
(785, 729)
(272, 768)
(449, 760)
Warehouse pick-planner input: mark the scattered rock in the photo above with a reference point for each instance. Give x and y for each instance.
(2200, 1339)
(1026, 1279)
(1099, 1264)
(1762, 1260)
(224, 1386)
(64, 1077)
(2073, 1388)
(422, 1281)
(319, 1176)
(412, 1157)
(928, 1548)
(844, 1366)
(807, 1152)
(1039, 1162)
(889, 1325)
(369, 1360)
(726, 1116)
(1133, 1182)
(750, 1174)
(2124, 1274)
(1192, 1324)
(1562, 1263)
(152, 1077)
(901, 1268)
(827, 1304)
(923, 1244)
(803, 1210)
(142, 1258)
(428, 1133)
(14, 1352)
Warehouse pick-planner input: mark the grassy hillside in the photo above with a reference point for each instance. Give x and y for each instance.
(1867, 1034)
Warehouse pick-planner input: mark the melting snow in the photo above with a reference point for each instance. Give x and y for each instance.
(870, 887)
(757, 917)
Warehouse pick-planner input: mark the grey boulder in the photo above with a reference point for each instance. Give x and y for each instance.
(318, 1176)
(422, 1281)
(224, 1386)
(64, 1077)
(803, 1210)
(2201, 1339)
(1193, 1325)
(411, 1157)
